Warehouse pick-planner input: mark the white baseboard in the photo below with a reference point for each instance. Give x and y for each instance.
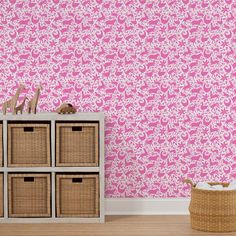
(147, 206)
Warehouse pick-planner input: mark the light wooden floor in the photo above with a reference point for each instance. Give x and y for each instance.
(114, 226)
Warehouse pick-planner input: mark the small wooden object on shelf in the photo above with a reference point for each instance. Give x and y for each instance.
(11, 103)
(66, 108)
(20, 108)
(32, 104)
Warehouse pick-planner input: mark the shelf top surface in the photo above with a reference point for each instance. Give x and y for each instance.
(54, 116)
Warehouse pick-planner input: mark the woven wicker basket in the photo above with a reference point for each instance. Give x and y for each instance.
(77, 144)
(77, 195)
(212, 211)
(29, 195)
(1, 195)
(28, 145)
(1, 144)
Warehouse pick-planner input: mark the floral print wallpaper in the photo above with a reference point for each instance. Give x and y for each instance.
(163, 72)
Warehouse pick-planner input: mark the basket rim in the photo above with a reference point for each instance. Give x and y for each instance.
(214, 191)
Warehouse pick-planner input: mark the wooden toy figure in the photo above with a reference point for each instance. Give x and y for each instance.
(20, 108)
(32, 104)
(66, 108)
(11, 103)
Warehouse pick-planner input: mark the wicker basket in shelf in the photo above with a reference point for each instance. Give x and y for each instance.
(1, 195)
(77, 195)
(213, 211)
(1, 145)
(28, 145)
(29, 195)
(77, 144)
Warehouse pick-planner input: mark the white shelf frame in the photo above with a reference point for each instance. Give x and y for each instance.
(53, 118)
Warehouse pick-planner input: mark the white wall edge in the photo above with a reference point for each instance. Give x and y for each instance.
(147, 206)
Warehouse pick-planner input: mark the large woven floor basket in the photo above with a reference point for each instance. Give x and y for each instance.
(212, 210)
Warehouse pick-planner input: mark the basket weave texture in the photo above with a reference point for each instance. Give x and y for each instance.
(76, 144)
(28, 145)
(213, 210)
(29, 195)
(1, 144)
(1, 195)
(77, 195)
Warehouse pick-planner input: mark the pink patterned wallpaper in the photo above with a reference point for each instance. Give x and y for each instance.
(164, 73)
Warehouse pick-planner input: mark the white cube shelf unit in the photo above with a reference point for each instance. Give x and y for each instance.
(52, 170)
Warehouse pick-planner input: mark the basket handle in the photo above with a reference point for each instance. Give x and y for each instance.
(77, 128)
(77, 180)
(28, 179)
(28, 129)
(188, 181)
